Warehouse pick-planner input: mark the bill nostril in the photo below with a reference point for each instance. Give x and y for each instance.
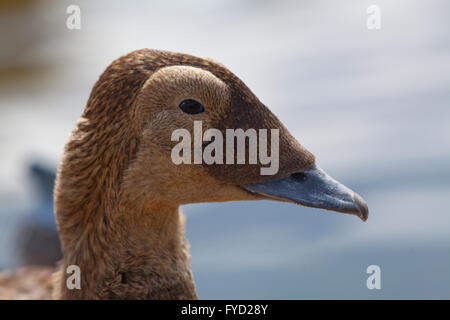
(300, 176)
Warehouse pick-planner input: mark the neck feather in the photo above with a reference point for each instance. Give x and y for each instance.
(126, 247)
(126, 252)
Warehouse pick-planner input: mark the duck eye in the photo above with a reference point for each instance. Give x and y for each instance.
(191, 106)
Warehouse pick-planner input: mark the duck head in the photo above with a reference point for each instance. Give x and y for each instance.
(169, 92)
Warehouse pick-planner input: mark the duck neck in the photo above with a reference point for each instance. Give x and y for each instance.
(128, 252)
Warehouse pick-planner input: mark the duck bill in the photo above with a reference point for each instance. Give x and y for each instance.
(313, 188)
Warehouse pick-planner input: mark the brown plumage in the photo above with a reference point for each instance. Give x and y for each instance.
(117, 192)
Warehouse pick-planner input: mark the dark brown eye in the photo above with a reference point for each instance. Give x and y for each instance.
(191, 106)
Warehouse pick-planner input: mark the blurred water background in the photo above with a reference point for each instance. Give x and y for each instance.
(373, 106)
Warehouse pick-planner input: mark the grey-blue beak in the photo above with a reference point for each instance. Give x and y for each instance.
(313, 188)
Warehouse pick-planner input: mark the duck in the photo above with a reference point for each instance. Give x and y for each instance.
(118, 193)
(37, 241)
